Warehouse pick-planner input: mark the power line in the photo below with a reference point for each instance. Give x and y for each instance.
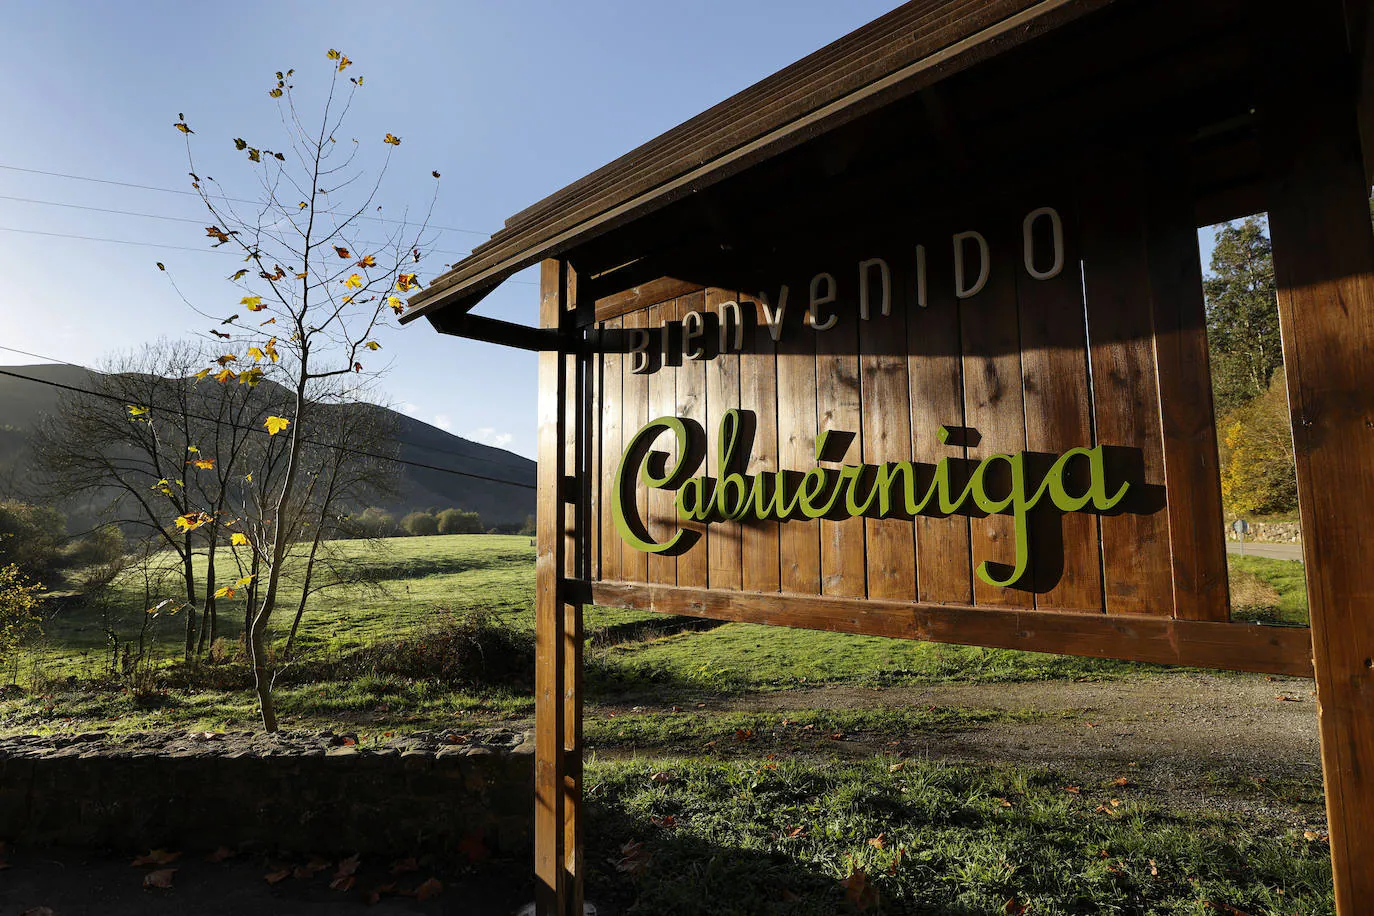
(342, 448)
(64, 362)
(237, 200)
(174, 219)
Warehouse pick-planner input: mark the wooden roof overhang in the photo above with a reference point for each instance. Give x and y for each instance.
(927, 102)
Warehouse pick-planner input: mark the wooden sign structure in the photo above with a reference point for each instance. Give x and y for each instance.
(909, 340)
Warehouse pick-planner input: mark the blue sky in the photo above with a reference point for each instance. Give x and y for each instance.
(509, 101)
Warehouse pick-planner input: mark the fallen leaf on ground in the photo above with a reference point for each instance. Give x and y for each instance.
(1004, 803)
(895, 767)
(743, 734)
(273, 877)
(1072, 789)
(219, 855)
(660, 777)
(1121, 781)
(1015, 907)
(633, 859)
(156, 857)
(342, 883)
(879, 841)
(431, 888)
(667, 822)
(39, 911)
(347, 867)
(160, 878)
(858, 892)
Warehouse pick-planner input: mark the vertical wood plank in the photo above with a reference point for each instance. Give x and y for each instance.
(839, 406)
(799, 540)
(692, 565)
(578, 544)
(634, 564)
(1192, 468)
(886, 402)
(1066, 555)
(1135, 543)
(993, 402)
(550, 888)
(662, 403)
(935, 371)
(1324, 267)
(610, 450)
(722, 393)
(758, 373)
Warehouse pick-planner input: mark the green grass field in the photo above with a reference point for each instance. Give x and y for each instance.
(752, 810)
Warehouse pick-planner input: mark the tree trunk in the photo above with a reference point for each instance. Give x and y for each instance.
(188, 570)
(209, 615)
(262, 673)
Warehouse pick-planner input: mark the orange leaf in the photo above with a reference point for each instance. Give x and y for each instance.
(275, 877)
(368, 261)
(431, 888)
(860, 894)
(392, 139)
(343, 252)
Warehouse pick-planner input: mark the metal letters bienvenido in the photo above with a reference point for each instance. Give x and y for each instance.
(850, 490)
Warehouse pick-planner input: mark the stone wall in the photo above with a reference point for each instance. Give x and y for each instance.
(318, 794)
(1270, 532)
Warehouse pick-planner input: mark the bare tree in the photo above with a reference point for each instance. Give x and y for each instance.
(318, 293)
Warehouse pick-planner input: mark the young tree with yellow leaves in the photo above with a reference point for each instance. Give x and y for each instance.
(312, 297)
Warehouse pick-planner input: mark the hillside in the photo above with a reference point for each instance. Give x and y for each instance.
(24, 403)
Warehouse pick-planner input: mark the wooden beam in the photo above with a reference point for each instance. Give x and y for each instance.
(549, 673)
(494, 330)
(1324, 268)
(1133, 637)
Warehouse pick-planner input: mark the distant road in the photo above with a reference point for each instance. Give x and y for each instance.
(1273, 551)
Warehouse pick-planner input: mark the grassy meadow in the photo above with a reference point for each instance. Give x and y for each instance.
(704, 795)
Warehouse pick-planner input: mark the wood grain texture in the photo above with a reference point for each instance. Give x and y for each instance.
(935, 371)
(722, 393)
(634, 564)
(1135, 543)
(1192, 470)
(662, 403)
(692, 566)
(993, 403)
(1324, 268)
(549, 773)
(886, 401)
(758, 373)
(799, 540)
(1134, 637)
(610, 423)
(1066, 552)
(839, 406)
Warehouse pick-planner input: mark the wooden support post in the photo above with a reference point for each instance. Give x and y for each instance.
(1324, 267)
(577, 565)
(551, 892)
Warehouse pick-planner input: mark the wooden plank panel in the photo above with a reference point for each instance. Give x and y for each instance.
(758, 373)
(1135, 543)
(572, 493)
(1135, 637)
(722, 393)
(799, 540)
(610, 419)
(693, 565)
(634, 564)
(935, 370)
(839, 406)
(548, 611)
(993, 402)
(1066, 556)
(1324, 268)
(1191, 466)
(891, 543)
(662, 403)
(590, 475)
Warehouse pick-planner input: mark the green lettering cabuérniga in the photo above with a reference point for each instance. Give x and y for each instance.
(895, 489)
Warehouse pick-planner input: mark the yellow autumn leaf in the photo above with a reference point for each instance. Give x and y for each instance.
(354, 281)
(248, 477)
(226, 359)
(372, 345)
(251, 377)
(200, 376)
(396, 304)
(252, 303)
(392, 139)
(406, 282)
(226, 592)
(333, 55)
(181, 126)
(276, 424)
(274, 93)
(225, 375)
(238, 539)
(192, 520)
(367, 261)
(347, 300)
(270, 349)
(344, 62)
(137, 411)
(245, 581)
(204, 464)
(239, 274)
(256, 353)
